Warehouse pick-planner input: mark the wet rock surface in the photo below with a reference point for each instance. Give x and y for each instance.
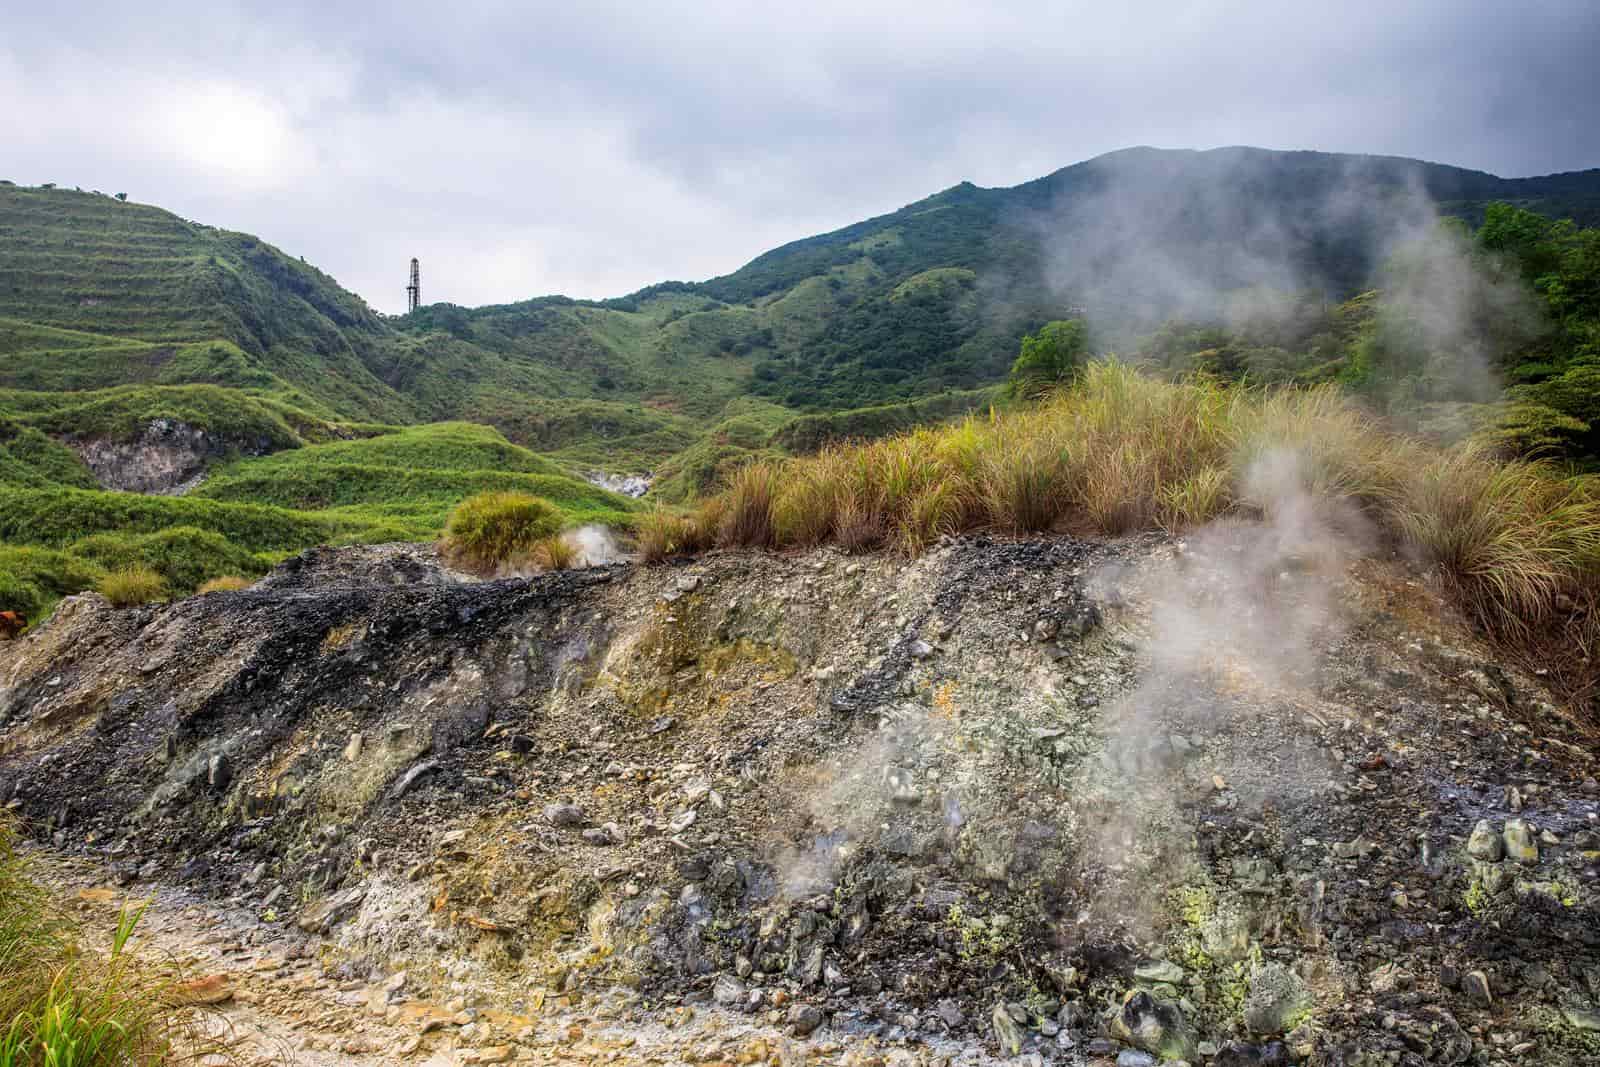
(991, 802)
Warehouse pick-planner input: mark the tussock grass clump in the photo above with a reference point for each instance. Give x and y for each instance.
(228, 583)
(490, 530)
(667, 533)
(1515, 538)
(131, 586)
(60, 1005)
(555, 554)
(747, 507)
(1517, 542)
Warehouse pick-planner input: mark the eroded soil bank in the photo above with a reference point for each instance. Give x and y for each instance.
(1230, 801)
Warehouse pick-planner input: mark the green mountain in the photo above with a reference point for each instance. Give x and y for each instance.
(114, 315)
(141, 350)
(934, 297)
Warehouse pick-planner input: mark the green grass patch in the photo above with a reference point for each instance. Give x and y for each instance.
(122, 413)
(184, 557)
(128, 587)
(490, 530)
(808, 433)
(409, 480)
(61, 1006)
(435, 446)
(744, 436)
(29, 457)
(32, 579)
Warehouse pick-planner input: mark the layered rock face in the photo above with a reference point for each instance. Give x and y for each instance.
(167, 457)
(1232, 800)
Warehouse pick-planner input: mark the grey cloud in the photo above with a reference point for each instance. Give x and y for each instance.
(590, 149)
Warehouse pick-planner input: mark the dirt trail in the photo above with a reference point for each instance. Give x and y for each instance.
(280, 1001)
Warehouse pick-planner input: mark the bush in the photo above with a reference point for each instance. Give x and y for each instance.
(228, 583)
(33, 579)
(1050, 359)
(131, 586)
(555, 554)
(490, 530)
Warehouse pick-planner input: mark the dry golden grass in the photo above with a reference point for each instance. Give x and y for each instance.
(1516, 538)
(227, 584)
(131, 586)
(666, 533)
(555, 553)
(1517, 542)
(747, 515)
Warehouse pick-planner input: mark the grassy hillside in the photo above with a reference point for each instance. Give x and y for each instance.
(340, 424)
(408, 480)
(171, 301)
(59, 535)
(934, 297)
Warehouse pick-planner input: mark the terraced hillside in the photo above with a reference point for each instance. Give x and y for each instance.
(95, 292)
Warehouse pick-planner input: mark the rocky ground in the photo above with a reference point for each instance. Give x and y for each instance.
(1244, 799)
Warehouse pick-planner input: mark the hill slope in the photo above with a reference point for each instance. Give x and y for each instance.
(95, 292)
(930, 297)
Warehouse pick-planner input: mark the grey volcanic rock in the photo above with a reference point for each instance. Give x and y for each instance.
(904, 843)
(632, 485)
(167, 457)
(1276, 1002)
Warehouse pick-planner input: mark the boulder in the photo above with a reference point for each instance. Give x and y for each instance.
(1277, 1000)
(1154, 1025)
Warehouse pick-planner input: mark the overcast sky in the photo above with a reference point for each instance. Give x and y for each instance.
(590, 148)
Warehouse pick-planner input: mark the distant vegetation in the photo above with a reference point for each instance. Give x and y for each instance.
(1517, 302)
(58, 539)
(332, 423)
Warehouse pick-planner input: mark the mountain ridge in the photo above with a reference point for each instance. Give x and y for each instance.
(928, 298)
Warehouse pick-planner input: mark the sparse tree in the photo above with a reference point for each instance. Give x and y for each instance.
(123, 197)
(1051, 358)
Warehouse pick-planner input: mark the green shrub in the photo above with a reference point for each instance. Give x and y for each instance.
(489, 530)
(131, 586)
(33, 579)
(17, 594)
(184, 556)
